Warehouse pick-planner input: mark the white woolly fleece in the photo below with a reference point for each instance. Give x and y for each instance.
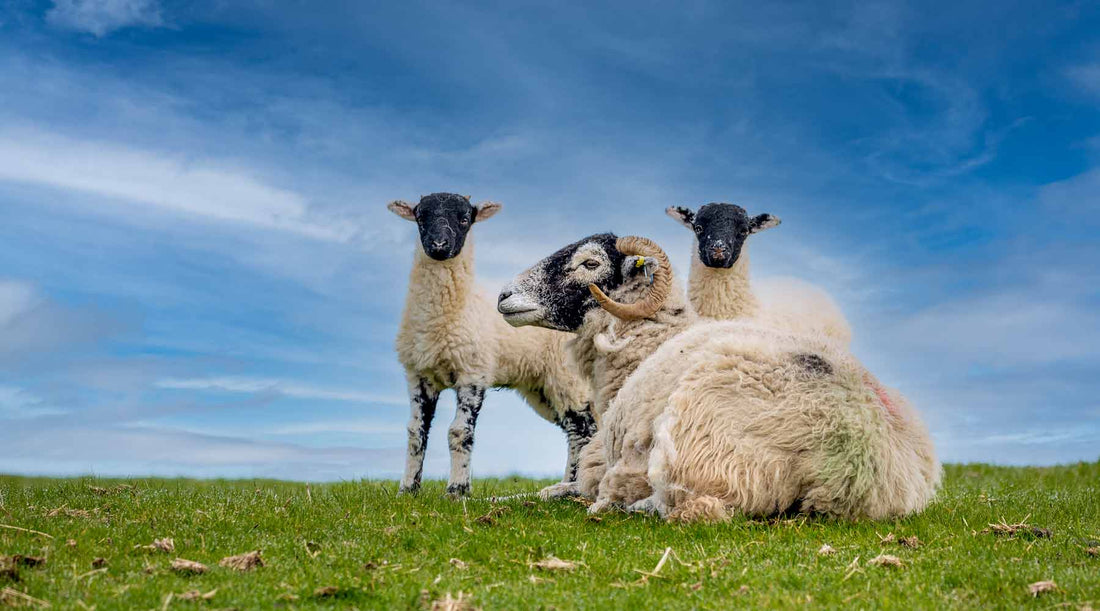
(787, 303)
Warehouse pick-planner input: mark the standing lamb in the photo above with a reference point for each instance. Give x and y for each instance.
(726, 415)
(450, 337)
(719, 287)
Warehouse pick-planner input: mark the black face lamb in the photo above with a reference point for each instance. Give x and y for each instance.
(721, 230)
(560, 290)
(443, 219)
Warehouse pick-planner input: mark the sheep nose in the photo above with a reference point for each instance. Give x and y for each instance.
(505, 294)
(718, 252)
(440, 244)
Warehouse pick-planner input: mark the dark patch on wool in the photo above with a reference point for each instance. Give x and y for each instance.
(813, 364)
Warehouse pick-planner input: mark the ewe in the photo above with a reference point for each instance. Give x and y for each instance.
(718, 285)
(722, 415)
(450, 337)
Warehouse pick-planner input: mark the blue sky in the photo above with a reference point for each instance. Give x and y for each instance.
(198, 275)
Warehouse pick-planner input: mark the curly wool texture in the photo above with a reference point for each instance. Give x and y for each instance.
(800, 307)
(452, 335)
(733, 416)
(607, 351)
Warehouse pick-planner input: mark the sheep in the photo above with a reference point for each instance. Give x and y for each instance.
(719, 287)
(606, 349)
(450, 337)
(725, 415)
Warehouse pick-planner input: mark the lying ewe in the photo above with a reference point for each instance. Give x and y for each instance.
(450, 337)
(718, 285)
(725, 415)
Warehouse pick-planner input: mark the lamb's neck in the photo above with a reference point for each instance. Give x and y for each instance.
(441, 289)
(722, 293)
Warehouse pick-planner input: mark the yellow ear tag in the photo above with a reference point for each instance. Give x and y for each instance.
(640, 262)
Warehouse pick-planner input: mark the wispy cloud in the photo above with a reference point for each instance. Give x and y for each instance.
(15, 298)
(195, 188)
(282, 387)
(17, 403)
(170, 453)
(194, 238)
(1087, 77)
(101, 17)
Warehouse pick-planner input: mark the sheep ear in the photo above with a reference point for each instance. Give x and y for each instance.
(486, 210)
(761, 222)
(403, 210)
(682, 215)
(636, 265)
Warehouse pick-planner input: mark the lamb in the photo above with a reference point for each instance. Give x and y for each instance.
(724, 415)
(450, 337)
(718, 284)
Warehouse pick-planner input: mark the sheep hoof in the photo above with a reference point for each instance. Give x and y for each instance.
(560, 490)
(648, 505)
(410, 489)
(599, 506)
(457, 491)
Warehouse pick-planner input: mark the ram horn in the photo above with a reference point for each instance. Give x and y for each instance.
(658, 291)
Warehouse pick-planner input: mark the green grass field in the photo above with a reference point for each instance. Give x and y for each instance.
(359, 545)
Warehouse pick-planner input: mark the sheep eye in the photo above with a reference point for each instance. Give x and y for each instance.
(591, 264)
(699, 229)
(463, 221)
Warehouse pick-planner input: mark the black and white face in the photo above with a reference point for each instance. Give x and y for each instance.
(444, 219)
(554, 292)
(721, 230)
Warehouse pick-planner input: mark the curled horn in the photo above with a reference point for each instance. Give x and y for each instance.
(658, 291)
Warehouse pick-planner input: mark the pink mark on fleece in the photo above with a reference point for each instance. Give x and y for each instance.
(880, 392)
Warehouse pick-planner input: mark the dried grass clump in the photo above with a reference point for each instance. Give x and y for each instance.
(10, 597)
(166, 545)
(182, 565)
(1042, 587)
(886, 560)
(196, 595)
(452, 603)
(243, 562)
(552, 563)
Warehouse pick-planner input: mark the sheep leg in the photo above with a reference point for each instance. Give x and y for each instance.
(579, 426)
(461, 438)
(422, 401)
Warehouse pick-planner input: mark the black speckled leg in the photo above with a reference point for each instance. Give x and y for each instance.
(422, 401)
(461, 437)
(579, 427)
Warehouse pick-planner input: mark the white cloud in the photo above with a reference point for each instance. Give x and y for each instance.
(105, 451)
(15, 298)
(357, 427)
(202, 189)
(1010, 328)
(1087, 77)
(1080, 193)
(290, 389)
(101, 17)
(16, 403)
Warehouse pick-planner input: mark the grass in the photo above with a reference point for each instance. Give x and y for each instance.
(359, 545)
